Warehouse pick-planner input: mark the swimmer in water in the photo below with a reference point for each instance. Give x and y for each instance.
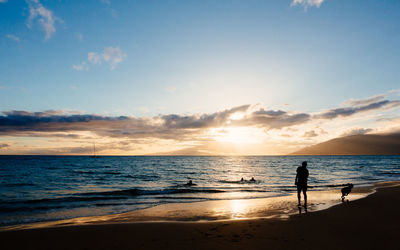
(190, 183)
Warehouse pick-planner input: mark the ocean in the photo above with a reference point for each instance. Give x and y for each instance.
(44, 188)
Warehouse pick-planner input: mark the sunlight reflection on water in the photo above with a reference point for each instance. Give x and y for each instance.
(40, 188)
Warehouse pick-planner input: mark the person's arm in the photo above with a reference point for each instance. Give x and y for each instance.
(297, 176)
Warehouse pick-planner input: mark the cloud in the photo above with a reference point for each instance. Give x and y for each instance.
(112, 11)
(307, 3)
(368, 106)
(45, 17)
(174, 121)
(275, 119)
(4, 145)
(357, 131)
(3, 1)
(94, 58)
(277, 131)
(13, 37)
(173, 126)
(80, 67)
(360, 102)
(79, 36)
(395, 91)
(111, 55)
(26, 118)
(310, 134)
(176, 126)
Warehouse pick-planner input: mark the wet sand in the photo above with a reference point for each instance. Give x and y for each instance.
(367, 223)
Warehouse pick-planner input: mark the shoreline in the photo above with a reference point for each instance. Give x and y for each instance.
(367, 223)
(276, 207)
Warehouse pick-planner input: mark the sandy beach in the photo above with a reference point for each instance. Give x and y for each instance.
(366, 223)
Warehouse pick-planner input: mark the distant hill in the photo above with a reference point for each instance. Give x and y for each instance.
(373, 144)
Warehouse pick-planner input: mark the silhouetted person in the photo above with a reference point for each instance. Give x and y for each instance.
(190, 183)
(242, 179)
(252, 179)
(301, 181)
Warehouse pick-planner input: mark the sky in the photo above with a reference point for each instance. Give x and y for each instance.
(256, 77)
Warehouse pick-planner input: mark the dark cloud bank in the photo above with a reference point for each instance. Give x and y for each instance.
(171, 126)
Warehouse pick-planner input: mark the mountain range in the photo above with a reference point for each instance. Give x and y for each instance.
(367, 144)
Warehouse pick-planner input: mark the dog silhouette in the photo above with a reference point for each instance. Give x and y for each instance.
(346, 190)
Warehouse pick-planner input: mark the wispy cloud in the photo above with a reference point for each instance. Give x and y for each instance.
(366, 101)
(310, 133)
(79, 36)
(307, 3)
(80, 67)
(369, 105)
(395, 91)
(3, 1)
(113, 56)
(13, 37)
(357, 131)
(45, 17)
(94, 58)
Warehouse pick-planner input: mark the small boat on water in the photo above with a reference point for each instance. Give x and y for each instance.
(94, 152)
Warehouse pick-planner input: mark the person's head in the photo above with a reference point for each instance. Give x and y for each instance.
(304, 164)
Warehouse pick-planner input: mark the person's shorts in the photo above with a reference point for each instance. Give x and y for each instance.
(301, 187)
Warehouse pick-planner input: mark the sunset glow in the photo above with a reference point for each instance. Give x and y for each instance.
(137, 78)
(240, 135)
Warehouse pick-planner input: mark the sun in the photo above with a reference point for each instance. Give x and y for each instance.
(239, 135)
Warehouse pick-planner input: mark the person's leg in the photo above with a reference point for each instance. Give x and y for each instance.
(305, 195)
(298, 194)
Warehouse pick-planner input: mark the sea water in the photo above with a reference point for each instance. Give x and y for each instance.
(42, 188)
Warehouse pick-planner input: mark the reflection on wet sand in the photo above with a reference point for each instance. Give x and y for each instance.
(275, 207)
(302, 209)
